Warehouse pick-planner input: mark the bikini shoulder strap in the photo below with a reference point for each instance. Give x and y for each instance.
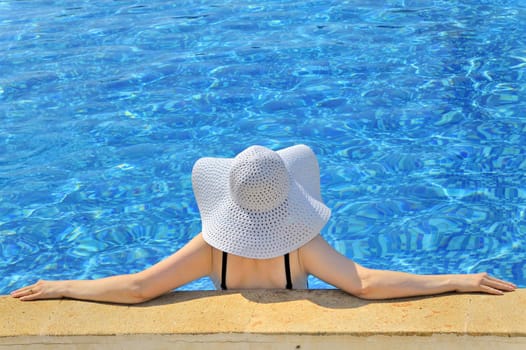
(287, 271)
(223, 271)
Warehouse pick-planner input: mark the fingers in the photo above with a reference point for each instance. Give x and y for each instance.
(500, 284)
(27, 293)
(495, 286)
(490, 290)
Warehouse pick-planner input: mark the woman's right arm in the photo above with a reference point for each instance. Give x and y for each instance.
(322, 261)
(189, 263)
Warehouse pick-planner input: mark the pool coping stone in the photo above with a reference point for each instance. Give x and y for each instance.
(260, 313)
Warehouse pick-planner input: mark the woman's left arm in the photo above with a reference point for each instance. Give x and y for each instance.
(189, 263)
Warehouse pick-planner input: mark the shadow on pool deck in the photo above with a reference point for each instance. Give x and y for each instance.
(269, 319)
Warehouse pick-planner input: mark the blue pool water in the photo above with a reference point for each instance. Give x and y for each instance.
(415, 108)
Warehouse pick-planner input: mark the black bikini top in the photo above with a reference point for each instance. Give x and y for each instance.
(223, 271)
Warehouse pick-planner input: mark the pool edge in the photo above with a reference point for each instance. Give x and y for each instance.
(268, 318)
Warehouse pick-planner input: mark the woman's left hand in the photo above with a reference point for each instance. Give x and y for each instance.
(40, 290)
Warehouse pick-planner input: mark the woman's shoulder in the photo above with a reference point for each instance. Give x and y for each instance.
(317, 244)
(318, 253)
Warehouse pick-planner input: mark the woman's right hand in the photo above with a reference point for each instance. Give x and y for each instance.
(482, 282)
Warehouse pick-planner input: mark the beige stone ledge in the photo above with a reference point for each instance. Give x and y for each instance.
(269, 320)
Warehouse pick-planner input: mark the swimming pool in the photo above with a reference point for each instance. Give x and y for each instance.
(415, 108)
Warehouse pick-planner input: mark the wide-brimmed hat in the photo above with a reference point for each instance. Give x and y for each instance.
(262, 203)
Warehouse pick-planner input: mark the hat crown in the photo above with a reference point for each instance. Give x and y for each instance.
(259, 179)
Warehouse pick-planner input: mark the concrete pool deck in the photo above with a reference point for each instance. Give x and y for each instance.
(268, 319)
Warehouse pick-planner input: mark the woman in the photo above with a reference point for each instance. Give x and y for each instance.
(261, 216)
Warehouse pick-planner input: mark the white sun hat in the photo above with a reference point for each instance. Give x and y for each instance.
(262, 203)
